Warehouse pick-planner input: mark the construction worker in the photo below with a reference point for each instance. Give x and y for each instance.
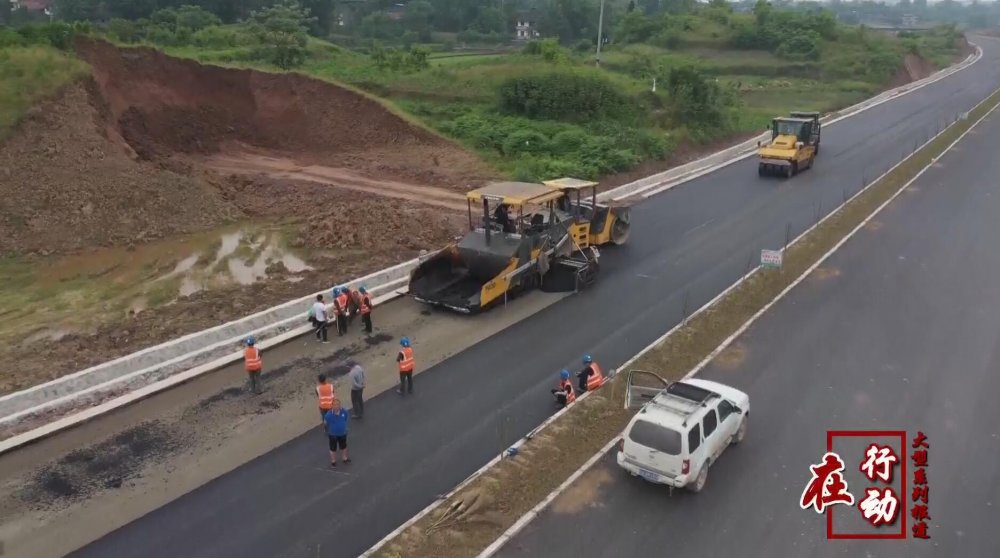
(590, 377)
(340, 309)
(336, 420)
(564, 393)
(253, 364)
(319, 318)
(366, 309)
(353, 304)
(326, 395)
(406, 366)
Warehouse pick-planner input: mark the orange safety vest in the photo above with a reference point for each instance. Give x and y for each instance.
(366, 304)
(406, 365)
(567, 387)
(325, 393)
(596, 379)
(341, 307)
(251, 356)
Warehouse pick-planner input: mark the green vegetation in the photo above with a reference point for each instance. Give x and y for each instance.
(32, 67)
(673, 72)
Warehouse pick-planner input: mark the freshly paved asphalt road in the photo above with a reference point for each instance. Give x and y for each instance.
(900, 332)
(686, 245)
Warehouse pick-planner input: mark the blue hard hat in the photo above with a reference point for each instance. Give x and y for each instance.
(405, 341)
(336, 291)
(564, 374)
(362, 290)
(587, 359)
(250, 340)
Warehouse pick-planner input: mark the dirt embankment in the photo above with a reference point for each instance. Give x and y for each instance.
(914, 68)
(153, 147)
(127, 156)
(165, 106)
(68, 181)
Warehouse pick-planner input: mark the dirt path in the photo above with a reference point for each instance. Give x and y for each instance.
(281, 168)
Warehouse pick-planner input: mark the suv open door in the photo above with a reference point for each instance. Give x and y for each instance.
(641, 387)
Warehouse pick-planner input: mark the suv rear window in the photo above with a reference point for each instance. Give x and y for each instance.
(656, 437)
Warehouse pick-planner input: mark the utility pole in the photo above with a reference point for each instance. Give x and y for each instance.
(600, 29)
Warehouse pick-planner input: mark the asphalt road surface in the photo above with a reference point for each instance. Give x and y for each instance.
(686, 246)
(898, 331)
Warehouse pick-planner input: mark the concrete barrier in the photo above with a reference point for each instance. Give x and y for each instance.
(221, 344)
(124, 380)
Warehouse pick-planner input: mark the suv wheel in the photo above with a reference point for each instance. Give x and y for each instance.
(699, 481)
(741, 432)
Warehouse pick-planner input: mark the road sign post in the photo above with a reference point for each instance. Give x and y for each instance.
(771, 258)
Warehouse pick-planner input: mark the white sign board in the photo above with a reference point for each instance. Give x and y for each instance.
(770, 258)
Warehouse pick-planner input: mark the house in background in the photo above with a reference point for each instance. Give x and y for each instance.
(37, 6)
(525, 26)
(910, 20)
(396, 11)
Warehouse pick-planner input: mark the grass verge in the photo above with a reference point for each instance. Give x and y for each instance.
(477, 515)
(29, 75)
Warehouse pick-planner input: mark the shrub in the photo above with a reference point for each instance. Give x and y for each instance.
(562, 96)
(803, 46)
(10, 38)
(568, 142)
(698, 103)
(219, 37)
(525, 142)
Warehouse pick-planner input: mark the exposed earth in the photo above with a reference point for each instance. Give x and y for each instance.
(152, 147)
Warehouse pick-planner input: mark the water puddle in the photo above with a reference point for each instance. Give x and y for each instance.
(244, 256)
(64, 293)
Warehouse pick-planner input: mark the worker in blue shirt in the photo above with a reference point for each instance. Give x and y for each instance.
(336, 430)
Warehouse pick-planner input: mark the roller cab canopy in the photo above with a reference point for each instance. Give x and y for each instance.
(517, 194)
(570, 184)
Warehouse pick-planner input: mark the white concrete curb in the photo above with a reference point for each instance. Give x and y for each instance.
(91, 387)
(525, 519)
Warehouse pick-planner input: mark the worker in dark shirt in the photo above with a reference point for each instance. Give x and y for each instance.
(502, 217)
(590, 368)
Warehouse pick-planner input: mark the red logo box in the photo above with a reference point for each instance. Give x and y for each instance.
(901, 452)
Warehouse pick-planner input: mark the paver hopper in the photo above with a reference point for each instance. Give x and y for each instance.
(519, 241)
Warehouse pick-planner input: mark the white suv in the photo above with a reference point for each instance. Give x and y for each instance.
(681, 429)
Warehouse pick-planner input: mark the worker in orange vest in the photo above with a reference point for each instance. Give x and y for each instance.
(565, 394)
(590, 377)
(366, 309)
(406, 366)
(340, 301)
(326, 395)
(253, 364)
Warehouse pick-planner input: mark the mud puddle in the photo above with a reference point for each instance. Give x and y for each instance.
(244, 256)
(287, 169)
(45, 301)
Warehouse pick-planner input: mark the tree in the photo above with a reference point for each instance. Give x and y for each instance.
(489, 20)
(378, 25)
(762, 11)
(631, 6)
(195, 18)
(417, 18)
(322, 11)
(281, 28)
(697, 102)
